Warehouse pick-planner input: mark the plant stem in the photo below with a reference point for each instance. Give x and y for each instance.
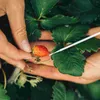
(4, 75)
(5, 78)
(14, 75)
(31, 76)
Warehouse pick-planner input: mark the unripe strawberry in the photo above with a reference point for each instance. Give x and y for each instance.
(40, 51)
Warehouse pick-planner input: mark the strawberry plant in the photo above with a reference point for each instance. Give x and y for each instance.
(66, 28)
(68, 21)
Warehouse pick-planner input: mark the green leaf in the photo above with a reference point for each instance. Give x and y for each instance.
(34, 82)
(90, 91)
(35, 35)
(60, 92)
(90, 16)
(3, 95)
(55, 11)
(87, 13)
(80, 6)
(89, 46)
(32, 28)
(57, 20)
(28, 7)
(69, 34)
(42, 7)
(65, 2)
(69, 61)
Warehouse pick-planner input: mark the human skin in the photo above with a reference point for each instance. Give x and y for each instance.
(15, 12)
(46, 68)
(14, 9)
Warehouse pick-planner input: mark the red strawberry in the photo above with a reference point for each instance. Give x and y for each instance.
(40, 51)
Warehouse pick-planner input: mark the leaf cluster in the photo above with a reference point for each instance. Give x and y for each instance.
(66, 28)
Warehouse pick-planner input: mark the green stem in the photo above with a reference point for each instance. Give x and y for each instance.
(5, 78)
(15, 74)
(4, 75)
(31, 76)
(17, 77)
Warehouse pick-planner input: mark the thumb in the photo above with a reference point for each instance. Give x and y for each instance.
(15, 12)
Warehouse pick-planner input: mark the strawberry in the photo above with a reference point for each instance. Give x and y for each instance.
(40, 51)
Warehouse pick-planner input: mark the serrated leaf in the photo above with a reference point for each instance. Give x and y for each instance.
(42, 7)
(89, 46)
(60, 92)
(55, 11)
(3, 95)
(87, 13)
(80, 6)
(57, 20)
(90, 16)
(35, 35)
(69, 61)
(32, 28)
(69, 34)
(34, 82)
(90, 91)
(31, 23)
(28, 7)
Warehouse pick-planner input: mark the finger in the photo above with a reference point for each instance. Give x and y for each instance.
(51, 72)
(19, 64)
(93, 31)
(15, 12)
(2, 37)
(46, 35)
(44, 60)
(12, 52)
(2, 7)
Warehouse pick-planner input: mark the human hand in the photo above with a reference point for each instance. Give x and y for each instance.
(15, 12)
(47, 70)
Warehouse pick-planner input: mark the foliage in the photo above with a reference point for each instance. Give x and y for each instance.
(3, 95)
(72, 63)
(90, 45)
(60, 92)
(57, 20)
(66, 34)
(69, 21)
(42, 7)
(90, 91)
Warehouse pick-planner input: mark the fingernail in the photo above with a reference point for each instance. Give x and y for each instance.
(25, 46)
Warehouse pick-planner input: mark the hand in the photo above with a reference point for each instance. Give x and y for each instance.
(47, 70)
(15, 12)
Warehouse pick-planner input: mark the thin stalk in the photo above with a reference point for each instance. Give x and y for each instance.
(14, 75)
(5, 78)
